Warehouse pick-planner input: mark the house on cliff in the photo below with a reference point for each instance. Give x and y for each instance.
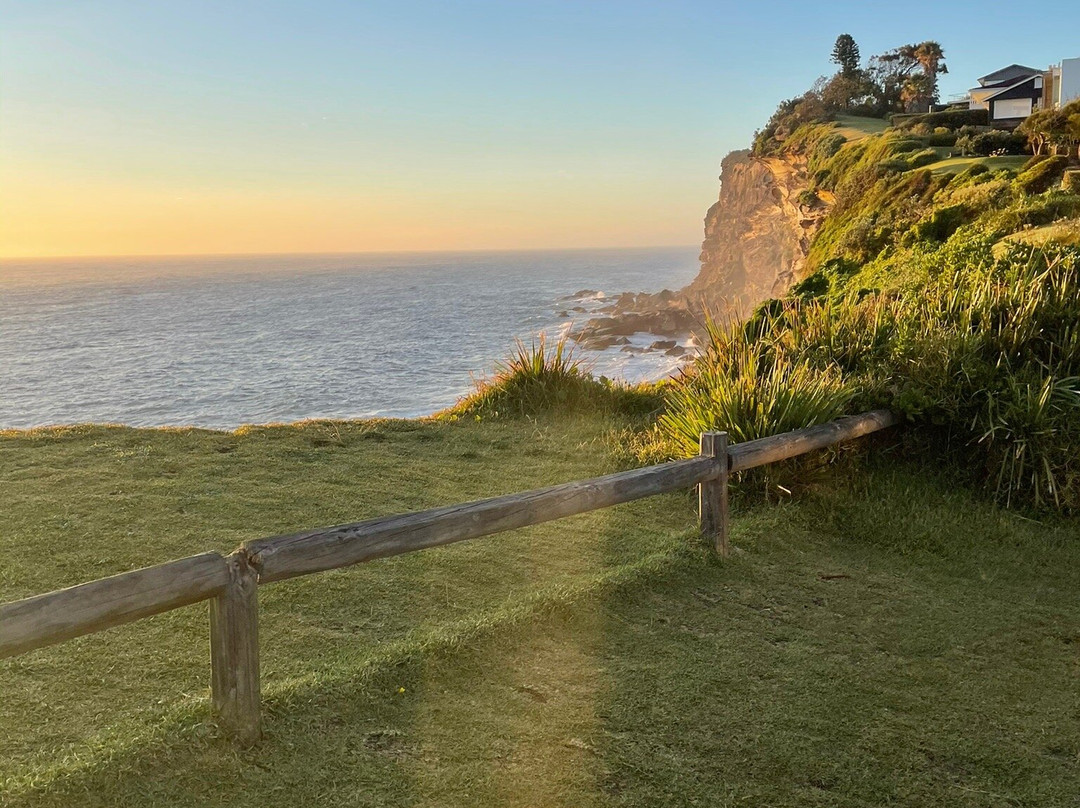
(1012, 93)
(1009, 94)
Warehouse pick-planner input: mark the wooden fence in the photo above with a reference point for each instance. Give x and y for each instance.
(231, 583)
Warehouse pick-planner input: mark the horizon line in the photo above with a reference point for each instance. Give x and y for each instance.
(476, 250)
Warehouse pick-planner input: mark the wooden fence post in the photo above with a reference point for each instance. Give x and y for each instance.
(713, 493)
(234, 652)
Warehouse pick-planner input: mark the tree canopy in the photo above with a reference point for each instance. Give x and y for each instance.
(846, 54)
(907, 77)
(1058, 129)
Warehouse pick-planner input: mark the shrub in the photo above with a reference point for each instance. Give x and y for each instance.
(1034, 160)
(742, 387)
(981, 350)
(979, 193)
(808, 198)
(947, 119)
(972, 171)
(1032, 211)
(901, 144)
(940, 224)
(829, 279)
(992, 143)
(1071, 182)
(948, 139)
(923, 158)
(823, 149)
(538, 378)
(894, 165)
(1041, 175)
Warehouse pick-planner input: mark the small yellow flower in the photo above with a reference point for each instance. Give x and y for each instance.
(401, 690)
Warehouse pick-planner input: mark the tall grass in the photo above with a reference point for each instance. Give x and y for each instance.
(541, 377)
(749, 388)
(984, 350)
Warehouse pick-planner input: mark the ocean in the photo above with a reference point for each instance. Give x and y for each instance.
(219, 342)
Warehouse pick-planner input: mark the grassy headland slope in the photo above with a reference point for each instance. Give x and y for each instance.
(951, 296)
(854, 650)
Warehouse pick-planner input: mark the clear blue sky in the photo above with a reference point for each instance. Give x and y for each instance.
(225, 126)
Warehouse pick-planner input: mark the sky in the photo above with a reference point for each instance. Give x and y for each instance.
(157, 127)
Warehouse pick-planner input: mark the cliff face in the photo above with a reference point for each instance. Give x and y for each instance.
(757, 235)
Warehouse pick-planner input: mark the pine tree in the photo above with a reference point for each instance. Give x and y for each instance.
(846, 54)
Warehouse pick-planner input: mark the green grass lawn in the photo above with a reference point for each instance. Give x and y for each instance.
(954, 165)
(887, 641)
(1062, 232)
(855, 128)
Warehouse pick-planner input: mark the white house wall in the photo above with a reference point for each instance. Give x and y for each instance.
(1070, 81)
(1012, 108)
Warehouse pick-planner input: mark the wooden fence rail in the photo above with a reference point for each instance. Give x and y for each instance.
(231, 583)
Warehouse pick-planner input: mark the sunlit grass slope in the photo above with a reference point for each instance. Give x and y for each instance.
(855, 650)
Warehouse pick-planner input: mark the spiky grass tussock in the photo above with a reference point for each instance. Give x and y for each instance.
(547, 377)
(749, 390)
(982, 349)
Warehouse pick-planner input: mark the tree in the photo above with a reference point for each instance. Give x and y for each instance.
(846, 54)
(888, 73)
(906, 77)
(844, 92)
(1058, 129)
(1038, 127)
(1072, 126)
(931, 58)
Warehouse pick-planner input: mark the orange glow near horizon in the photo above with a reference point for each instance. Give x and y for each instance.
(170, 131)
(47, 220)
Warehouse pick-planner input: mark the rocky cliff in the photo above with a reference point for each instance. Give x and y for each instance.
(757, 235)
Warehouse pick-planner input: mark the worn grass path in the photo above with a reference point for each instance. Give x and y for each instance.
(894, 642)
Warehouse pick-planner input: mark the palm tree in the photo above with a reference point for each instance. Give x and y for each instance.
(931, 58)
(913, 70)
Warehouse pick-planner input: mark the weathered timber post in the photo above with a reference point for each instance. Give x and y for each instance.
(713, 493)
(234, 652)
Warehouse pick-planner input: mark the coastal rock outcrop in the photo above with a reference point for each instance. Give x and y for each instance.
(757, 237)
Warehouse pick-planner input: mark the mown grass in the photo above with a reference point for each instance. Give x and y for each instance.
(892, 641)
(854, 127)
(954, 165)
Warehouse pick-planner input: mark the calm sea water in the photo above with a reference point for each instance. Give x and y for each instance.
(220, 342)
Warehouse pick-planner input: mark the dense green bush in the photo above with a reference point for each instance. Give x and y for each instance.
(740, 387)
(1042, 174)
(992, 143)
(984, 351)
(966, 176)
(923, 158)
(1028, 211)
(941, 223)
(948, 139)
(947, 119)
(893, 165)
(830, 279)
(825, 147)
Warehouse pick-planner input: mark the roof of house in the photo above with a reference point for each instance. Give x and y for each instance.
(1009, 73)
(1013, 89)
